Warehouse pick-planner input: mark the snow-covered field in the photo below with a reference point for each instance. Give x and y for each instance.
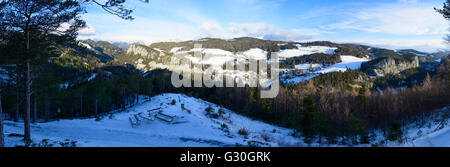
(199, 130)
(301, 51)
(348, 62)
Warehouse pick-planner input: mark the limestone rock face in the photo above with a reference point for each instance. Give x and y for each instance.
(392, 66)
(138, 50)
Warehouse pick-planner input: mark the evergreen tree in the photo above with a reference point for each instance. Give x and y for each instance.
(294, 120)
(116, 7)
(2, 138)
(309, 111)
(445, 11)
(39, 19)
(354, 128)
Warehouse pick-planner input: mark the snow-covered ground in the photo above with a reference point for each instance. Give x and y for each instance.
(301, 51)
(307, 66)
(256, 53)
(439, 138)
(3, 75)
(434, 132)
(348, 62)
(85, 45)
(199, 130)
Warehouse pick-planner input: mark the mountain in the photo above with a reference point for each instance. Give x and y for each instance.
(103, 48)
(299, 61)
(412, 51)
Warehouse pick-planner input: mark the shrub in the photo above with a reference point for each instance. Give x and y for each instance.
(111, 116)
(209, 110)
(266, 137)
(224, 126)
(395, 132)
(243, 132)
(98, 118)
(221, 111)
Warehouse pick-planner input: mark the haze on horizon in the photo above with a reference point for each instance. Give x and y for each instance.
(393, 24)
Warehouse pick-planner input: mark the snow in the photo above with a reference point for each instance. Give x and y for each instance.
(92, 77)
(434, 132)
(350, 62)
(301, 51)
(434, 139)
(213, 60)
(307, 66)
(85, 45)
(176, 49)
(298, 79)
(200, 130)
(3, 74)
(157, 49)
(64, 85)
(217, 52)
(256, 53)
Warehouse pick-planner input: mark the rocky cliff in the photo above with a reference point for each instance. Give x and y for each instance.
(390, 65)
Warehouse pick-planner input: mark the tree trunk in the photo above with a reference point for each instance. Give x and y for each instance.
(27, 135)
(96, 106)
(35, 109)
(81, 105)
(2, 139)
(17, 116)
(46, 109)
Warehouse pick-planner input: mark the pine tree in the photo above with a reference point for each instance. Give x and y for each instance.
(37, 19)
(116, 7)
(2, 139)
(427, 81)
(309, 112)
(445, 11)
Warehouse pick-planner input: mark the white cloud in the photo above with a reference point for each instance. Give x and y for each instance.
(88, 30)
(426, 45)
(258, 30)
(396, 19)
(111, 28)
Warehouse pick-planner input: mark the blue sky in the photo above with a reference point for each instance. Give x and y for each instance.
(393, 24)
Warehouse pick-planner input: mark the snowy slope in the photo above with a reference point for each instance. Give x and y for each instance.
(256, 53)
(435, 139)
(350, 62)
(200, 130)
(301, 51)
